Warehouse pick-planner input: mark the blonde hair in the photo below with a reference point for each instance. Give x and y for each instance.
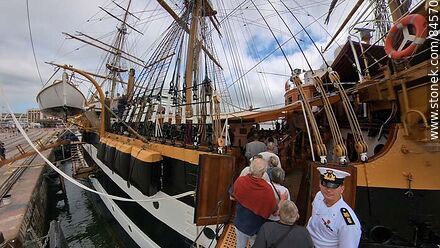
(288, 212)
(273, 161)
(270, 146)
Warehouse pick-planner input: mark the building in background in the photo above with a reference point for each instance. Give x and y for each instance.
(34, 116)
(6, 120)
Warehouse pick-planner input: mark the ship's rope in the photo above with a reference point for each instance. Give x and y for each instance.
(277, 48)
(320, 147)
(32, 42)
(72, 180)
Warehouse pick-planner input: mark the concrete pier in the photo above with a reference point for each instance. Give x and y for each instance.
(23, 191)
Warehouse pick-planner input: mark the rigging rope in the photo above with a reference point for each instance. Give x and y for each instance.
(72, 180)
(32, 41)
(271, 31)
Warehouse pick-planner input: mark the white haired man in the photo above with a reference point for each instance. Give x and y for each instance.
(284, 233)
(333, 223)
(269, 153)
(255, 202)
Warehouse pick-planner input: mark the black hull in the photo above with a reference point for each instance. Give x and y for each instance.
(159, 232)
(391, 218)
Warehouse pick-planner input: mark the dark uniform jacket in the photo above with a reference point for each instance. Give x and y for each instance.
(271, 232)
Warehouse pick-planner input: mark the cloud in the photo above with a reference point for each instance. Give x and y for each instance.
(246, 43)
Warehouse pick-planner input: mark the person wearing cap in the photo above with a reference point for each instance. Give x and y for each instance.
(333, 223)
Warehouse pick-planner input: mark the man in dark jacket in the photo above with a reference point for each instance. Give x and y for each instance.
(284, 233)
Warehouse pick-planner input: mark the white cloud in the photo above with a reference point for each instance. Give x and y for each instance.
(49, 18)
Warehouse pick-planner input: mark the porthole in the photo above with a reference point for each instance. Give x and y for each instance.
(209, 233)
(156, 205)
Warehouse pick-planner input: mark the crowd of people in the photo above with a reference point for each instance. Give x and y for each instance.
(266, 217)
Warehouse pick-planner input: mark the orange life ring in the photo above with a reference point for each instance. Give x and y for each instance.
(420, 24)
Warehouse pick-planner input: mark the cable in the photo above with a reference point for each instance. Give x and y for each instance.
(32, 42)
(70, 179)
(278, 42)
(293, 36)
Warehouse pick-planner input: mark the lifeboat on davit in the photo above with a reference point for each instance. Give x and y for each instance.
(61, 99)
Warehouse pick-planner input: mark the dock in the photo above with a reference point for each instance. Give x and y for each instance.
(23, 191)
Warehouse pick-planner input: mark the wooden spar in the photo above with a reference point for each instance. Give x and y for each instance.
(110, 46)
(102, 48)
(130, 85)
(100, 93)
(119, 19)
(349, 16)
(186, 29)
(98, 75)
(190, 58)
(114, 64)
(126, 10)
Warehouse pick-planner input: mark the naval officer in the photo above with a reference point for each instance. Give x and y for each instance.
(333, 223)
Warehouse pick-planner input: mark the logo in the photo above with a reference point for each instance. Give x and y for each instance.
(329, 176)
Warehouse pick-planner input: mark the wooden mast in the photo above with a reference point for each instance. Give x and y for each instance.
(190, 58)
(114, 65)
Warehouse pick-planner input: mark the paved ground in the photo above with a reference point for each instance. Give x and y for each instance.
(13, 207)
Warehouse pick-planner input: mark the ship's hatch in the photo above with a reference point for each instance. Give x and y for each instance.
(216, 176)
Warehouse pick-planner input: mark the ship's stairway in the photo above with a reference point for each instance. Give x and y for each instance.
(79, 166)
(228, 238)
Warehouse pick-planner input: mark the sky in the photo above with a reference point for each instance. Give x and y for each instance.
(20, 81)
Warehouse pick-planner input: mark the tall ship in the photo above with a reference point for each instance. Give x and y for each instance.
(169, 128)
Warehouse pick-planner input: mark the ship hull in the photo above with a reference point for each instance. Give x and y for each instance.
(60, 99)
(398, 216)
(168, 223)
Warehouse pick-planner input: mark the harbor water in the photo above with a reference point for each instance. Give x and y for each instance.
(83, 222)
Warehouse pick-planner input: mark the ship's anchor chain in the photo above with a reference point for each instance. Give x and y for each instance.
(339, 147)
(321, 150)
(360, 145)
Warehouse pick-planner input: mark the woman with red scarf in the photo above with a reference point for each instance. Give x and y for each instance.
(255, 202)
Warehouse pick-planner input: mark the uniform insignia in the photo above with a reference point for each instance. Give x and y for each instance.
(347, 217)
(329, 176)
(327, 224)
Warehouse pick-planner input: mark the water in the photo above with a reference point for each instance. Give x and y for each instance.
(82, 224)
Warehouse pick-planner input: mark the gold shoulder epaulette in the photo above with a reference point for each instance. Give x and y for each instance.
(347, 217)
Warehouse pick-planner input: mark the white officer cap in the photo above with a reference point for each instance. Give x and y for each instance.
(332, 178)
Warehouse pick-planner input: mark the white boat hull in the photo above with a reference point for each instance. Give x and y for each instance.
(61, 99)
